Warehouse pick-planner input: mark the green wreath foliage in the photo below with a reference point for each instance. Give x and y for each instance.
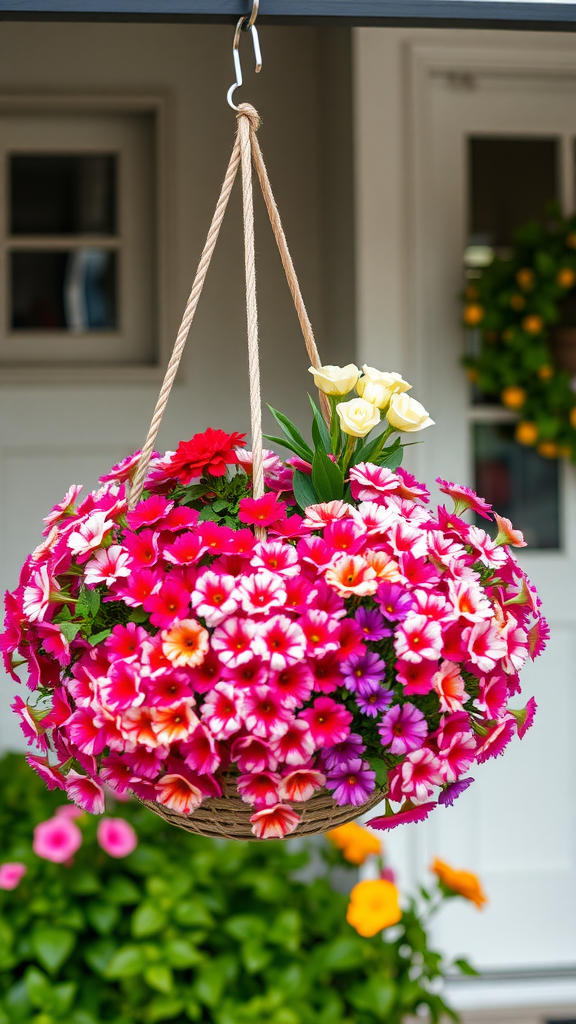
(512, 307)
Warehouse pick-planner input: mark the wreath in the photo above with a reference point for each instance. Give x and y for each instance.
(522, 312)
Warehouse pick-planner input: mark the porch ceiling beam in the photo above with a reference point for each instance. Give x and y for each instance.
(559, 15)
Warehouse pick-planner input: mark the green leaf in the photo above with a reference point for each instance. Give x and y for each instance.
(378, 765)
(465, 968)
(304, 490)
(70, 630)
(285, 444)
(376, 996)
(180, 953)
(121, 889)
(319, 427)
(127, 962)
(254, 956)
(160, 978)
(293, 434)
(193, 914)
(97, 638)
(327, 478)
(98, 954)
(245, 926)
(164, 1008)
(17, 1002)
(147, 919)
(391, 457)
(342, 954)
(52, 946)
(62, 998)
(88, 602)
(37, 986)
(103, 916)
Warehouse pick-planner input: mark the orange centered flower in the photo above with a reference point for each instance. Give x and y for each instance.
(185, 643)
(465, 883)
(373, 906)
(513, 397)
(356, 843)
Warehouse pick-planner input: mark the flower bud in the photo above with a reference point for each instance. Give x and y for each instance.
(335, 380)
(377, 387)
(357, 417)
(406, 413)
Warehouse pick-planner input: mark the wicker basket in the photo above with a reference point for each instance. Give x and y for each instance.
(228, 817)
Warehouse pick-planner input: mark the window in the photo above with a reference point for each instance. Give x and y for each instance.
(510, 181)
(79, 267)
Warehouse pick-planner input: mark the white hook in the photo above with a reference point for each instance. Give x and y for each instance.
(246, 23)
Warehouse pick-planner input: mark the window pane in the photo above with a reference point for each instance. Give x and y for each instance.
(63, 195)
(518, 482)
(511, 180)
(74, 290)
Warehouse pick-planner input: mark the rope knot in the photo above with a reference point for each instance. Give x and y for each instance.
(246, 110)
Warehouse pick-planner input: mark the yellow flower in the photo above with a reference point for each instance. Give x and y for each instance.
(357, 417)
(373, 906)
(565, 277)
(473, 314)
(532, 324)
(185, 643)
(526, 432)
(513, 397)
(356, 843)
(465, 883)
(406, 413)
(525, 278)
(377, 387)
(335, 380)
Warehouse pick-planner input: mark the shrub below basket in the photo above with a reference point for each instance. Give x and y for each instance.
(185, 928)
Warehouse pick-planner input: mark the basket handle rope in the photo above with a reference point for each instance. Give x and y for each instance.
(246, 151)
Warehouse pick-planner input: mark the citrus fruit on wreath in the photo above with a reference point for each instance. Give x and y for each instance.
(522, 312)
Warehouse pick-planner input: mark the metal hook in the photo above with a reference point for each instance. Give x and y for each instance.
(246, 23)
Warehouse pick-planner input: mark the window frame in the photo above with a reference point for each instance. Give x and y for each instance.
(151, 367)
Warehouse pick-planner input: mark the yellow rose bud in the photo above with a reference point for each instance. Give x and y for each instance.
(377, 387)
(532, 324)
(565, 277)
(513, 397)
(335, 380)
(572, 417)
(473, 314)
(526, 432)
(405, 413)
(357, 417)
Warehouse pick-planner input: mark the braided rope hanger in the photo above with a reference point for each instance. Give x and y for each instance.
(246, 151)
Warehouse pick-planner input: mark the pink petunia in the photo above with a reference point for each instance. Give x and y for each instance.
(187, 549)
(403, 729)
(262, 511)
(351, 783)
(408, 812)
(213, 598)
(351, 575)
(173, 724)
(328, 721)
(456, 754)
(322, 633)
(90, 535)
(172, 601)
(293, 684)
(274, 822)
(295, 746)
(497, 739)
(301, 784)
(253, 754)
(85, 792)
(369, 482)
(346, 535)
(260, 593)
(420, 773)
(50, 774)
(280, 642)
(277, 556)
(11, 874)
(136, 588)
(259, 788)
(235, 641)
(149, 511)
(125, 642)
(200, 751)
(319, 516)
(507, 534)
(56, 839)
(264, 713)
(143, 548)
(485, 645)
(449, 685)
(465, 498)
(37, 595)
(116, 837)
(469, 601)
(418, 638)
(416, 676)
(222, 711)
(63, 509)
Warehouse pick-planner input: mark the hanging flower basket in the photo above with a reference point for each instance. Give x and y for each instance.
(257, 648)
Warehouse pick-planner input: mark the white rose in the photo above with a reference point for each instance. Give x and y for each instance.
(335, 380)
(406, 413)
(357, 417)
(378, 387)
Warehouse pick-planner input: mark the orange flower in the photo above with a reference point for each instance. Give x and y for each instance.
(548, 449)
(373, 906)
(513, 397)
(565, 277)
(525, 278)
(173, 724)
(351, 574)
(465, 883)
(517, 302)
(356, 843)
(473, 314)
(533, 324)
(385, 567)
(185, 643)
(526, 432)
(572, 417)
(546, 372)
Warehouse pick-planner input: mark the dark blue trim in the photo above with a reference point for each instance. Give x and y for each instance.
(500, 13)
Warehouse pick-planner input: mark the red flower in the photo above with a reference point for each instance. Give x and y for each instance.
(262, 511)
(211, 451)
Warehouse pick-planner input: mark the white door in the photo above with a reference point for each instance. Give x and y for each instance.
(516, 825)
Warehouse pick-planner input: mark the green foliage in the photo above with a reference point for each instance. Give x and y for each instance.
(190, 929)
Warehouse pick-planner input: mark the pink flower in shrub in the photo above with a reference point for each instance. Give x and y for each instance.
(11, 874)
(116, 837)
(57, 839)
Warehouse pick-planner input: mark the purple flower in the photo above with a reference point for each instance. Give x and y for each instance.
(372, 699)
(403, 729)
(341, 754)
(360, 670)
(395, 602)
(352, 783)
(453, 791)
(372, 624)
